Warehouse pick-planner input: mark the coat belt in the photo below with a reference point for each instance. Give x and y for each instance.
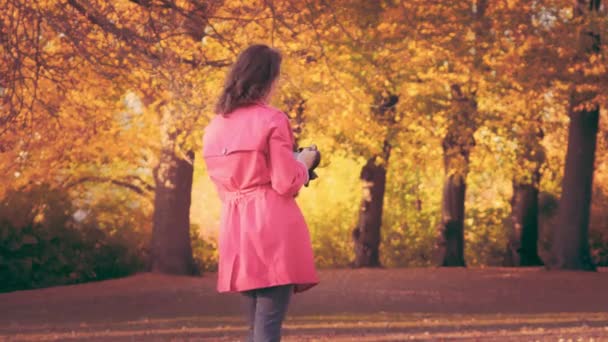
(241, 193)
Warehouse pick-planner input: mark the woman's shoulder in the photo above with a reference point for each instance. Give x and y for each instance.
(257, 117)
(275, 116)
(269, 112)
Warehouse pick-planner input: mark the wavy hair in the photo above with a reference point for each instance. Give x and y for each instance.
(250, 78)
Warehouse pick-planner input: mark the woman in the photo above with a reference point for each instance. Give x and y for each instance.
(264, 245)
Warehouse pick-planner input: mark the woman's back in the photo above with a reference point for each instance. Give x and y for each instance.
(235, 148)
(264, 240)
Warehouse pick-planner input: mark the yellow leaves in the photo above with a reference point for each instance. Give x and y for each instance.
(388, 30)
(411, 90)
(470, 35)
(597, 67)
(385, 27)
(412, 48)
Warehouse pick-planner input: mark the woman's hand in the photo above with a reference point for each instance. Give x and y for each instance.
(307, 156)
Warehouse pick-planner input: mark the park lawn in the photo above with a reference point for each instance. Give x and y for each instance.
(349, 305)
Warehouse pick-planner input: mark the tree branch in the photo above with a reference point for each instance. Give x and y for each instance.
(143, 190)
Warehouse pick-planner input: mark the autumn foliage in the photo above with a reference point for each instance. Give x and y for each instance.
(444, 127)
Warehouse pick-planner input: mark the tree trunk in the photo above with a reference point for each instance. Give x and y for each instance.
(171, 250)
(570, 249)
(522, 248)
(366, 235)
(452, 225)
(457, 145)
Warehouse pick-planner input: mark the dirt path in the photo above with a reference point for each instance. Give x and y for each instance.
(493, 304)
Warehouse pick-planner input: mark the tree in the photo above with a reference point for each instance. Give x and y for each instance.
(463, 120)
(363, 48)
(570, 245)
(366, 234)
(523, 85)
(142, 46)
(522, 248)
(457, 145)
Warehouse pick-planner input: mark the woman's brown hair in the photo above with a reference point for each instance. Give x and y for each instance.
(250, 78)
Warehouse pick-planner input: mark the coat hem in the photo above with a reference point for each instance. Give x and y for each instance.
(299, 287)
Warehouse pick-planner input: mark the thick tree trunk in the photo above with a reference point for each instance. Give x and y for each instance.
(522, 249)
(171, 251)
(570, 249)
(366, 235)
(457, 146)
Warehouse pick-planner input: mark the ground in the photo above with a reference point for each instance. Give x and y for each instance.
(430, 304)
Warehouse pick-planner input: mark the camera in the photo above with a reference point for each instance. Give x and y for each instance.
(311, 171)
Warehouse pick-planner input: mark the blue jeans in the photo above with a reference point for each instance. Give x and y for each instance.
(266, 309)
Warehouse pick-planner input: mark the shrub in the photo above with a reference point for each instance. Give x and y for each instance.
(41, 244)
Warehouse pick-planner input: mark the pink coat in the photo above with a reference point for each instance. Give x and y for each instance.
(263, 240)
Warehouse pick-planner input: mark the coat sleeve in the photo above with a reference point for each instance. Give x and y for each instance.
(287, 175)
